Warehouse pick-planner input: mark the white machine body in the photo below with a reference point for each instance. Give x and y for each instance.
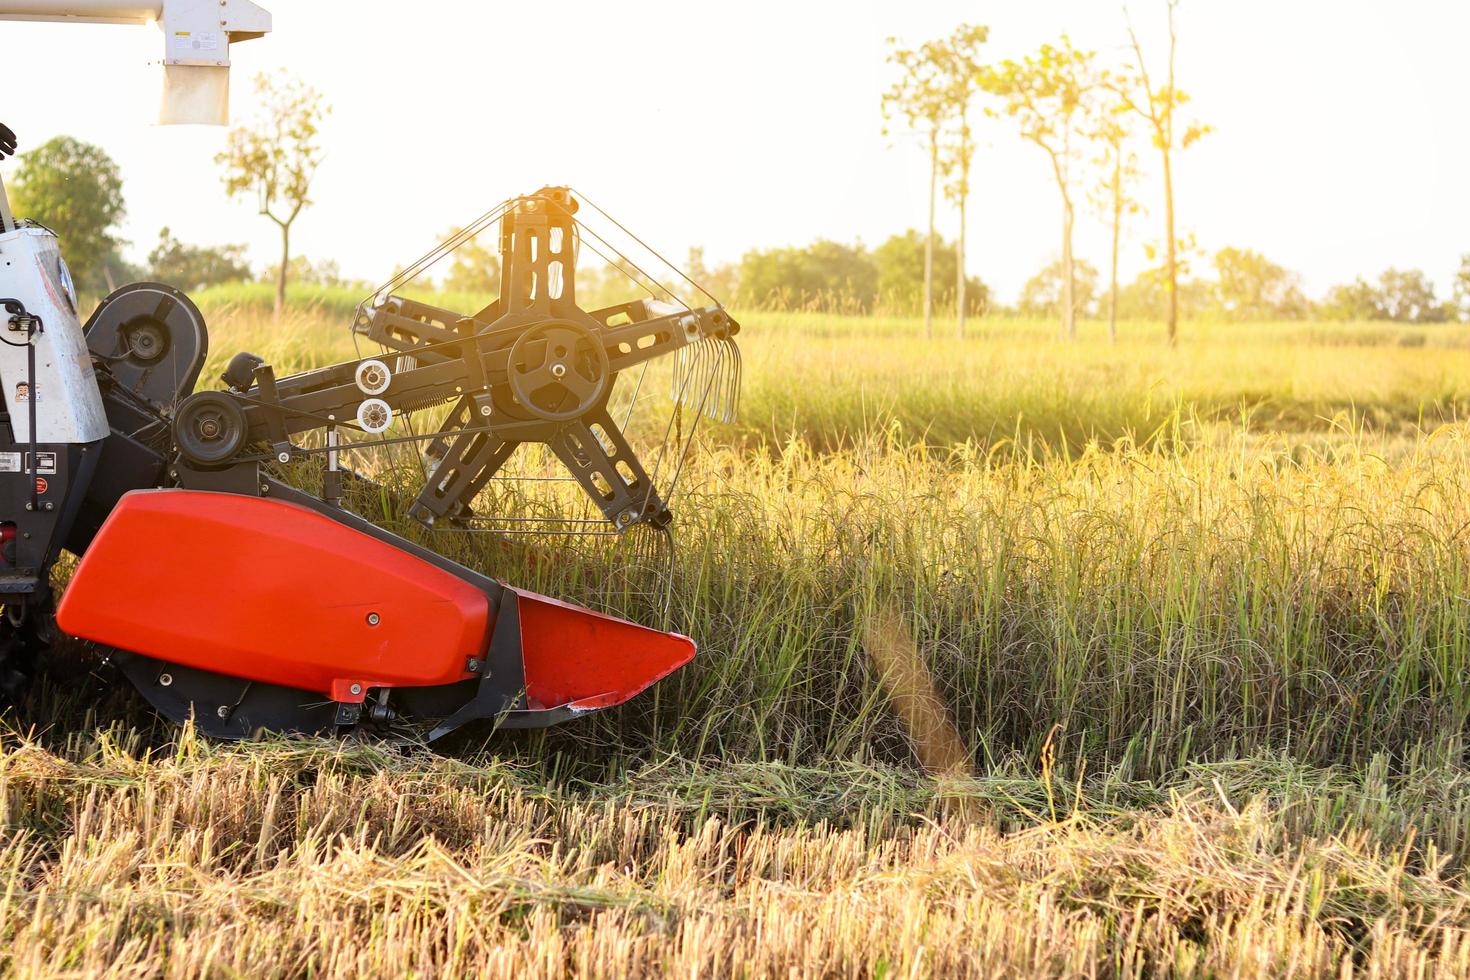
(67, 401)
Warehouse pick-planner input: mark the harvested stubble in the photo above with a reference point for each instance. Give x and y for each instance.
(290, 859)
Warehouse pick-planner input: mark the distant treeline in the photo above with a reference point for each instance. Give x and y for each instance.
(1235, 283)
(827, 276)
(842, 278)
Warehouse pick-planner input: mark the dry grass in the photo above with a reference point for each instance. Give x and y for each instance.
(285, 859)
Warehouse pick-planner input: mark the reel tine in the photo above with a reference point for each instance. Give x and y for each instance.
(706, 370)
(716, 379)
(727, 365)
(689, 392)
(681, 365)
(737, 371)
(739, 379)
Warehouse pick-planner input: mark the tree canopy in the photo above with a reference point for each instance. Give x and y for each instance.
(193, 267)
(76, 190)
(275, 157)
(1249, 286)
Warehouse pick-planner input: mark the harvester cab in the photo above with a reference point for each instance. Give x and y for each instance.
(232, 597)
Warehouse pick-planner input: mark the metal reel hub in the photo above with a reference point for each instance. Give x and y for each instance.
(558, 370)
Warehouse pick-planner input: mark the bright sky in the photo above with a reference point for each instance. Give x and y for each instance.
(1340, 146)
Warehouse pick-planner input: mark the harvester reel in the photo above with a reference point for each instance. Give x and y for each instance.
(209, 428)
(558, 370)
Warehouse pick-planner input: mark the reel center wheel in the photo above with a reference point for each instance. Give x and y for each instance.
(558, 370)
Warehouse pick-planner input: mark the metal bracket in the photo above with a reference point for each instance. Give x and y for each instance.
(503, 683)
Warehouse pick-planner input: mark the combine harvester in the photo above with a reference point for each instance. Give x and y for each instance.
(247, 604)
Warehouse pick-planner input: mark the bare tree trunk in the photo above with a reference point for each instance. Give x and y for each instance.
(929, 241)
(1173, 259)
(281, 272)
(1069, 309)
(1117, 226)
(959, 285)
(1069, 318)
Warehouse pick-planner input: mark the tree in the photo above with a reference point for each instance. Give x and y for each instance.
(1357, 300)
(1114, 196)
(193, 267)
(475, 268)
(900, 262)
(1401, 295)
(719, 281)
(1157, 106)
(1250, 286)
(822, 276)
(923, 97)
(76, 190)
(1461, 288)
(1045, 292)
(321, 272)
(1148, 297)
(960, 65)
(1407, 296)
(1051, 97)
(276, 156)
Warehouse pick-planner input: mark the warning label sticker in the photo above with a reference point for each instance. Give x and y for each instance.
(18, 463)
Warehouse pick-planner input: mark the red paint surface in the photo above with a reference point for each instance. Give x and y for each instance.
(270, 591)
(575, 656)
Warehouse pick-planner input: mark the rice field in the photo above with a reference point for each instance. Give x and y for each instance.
(1017, 658)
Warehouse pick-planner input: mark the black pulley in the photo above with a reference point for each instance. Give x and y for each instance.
(152, 339)
(209, 427)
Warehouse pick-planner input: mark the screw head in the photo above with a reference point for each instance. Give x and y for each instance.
(373, 619)
(223, 711)
(356, 689)
(283, 457)
(485, 410)
(558, 370)
(164, 680)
